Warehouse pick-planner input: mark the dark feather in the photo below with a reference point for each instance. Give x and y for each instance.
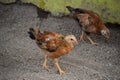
(31, 33)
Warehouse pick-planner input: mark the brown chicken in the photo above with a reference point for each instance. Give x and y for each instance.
(53, 44)
(90, 22)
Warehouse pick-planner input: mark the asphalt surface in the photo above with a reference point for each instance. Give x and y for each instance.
(21, 59)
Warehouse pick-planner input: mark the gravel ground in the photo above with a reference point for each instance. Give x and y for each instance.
(20, 58)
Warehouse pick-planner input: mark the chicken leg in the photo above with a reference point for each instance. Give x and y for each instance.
(58, 67)
(82, 36)
(91, 41)
(44, 65)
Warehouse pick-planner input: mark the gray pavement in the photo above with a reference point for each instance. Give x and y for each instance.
(20, 58)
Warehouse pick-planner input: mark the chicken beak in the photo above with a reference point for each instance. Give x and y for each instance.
(107, 39)
(76, 42)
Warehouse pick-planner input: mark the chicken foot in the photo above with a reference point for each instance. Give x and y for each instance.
(44, 65)
(91, 41)
(58, 67)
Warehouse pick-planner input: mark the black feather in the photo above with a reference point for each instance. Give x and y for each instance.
(75, 10)
(31, 33)
(31, 29)
(52, 50)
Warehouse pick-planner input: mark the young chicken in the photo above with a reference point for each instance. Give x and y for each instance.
(53, 44)
(90, 22)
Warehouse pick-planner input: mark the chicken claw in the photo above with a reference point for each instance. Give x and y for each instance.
(58, 67)
(91, 41)
(44, 65)
(61, 72)
(94, 43)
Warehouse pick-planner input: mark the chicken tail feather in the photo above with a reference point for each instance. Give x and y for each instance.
(31, 33)
(71, 9)
(75, 10)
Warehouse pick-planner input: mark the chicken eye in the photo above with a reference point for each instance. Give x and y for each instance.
(71, 39)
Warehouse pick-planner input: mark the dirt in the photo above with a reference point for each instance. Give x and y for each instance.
(21, 59)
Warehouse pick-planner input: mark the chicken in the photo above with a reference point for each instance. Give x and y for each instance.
(90, 22)
(53, 44)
